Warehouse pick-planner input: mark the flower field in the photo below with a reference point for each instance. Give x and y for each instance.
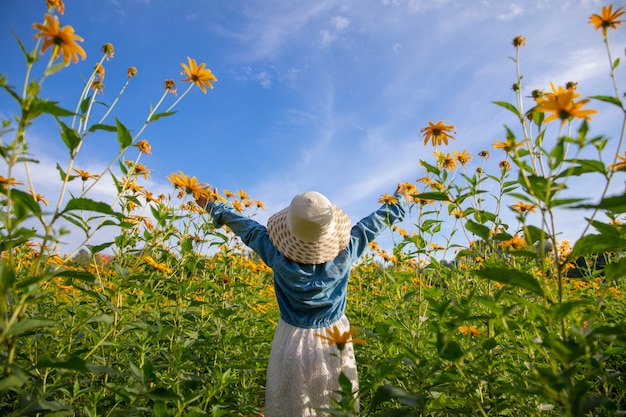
(174, 317)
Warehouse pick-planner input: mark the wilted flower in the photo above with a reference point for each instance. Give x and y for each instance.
(56, 3)
(63, 40)
(108, 50)
(505, 165)
(170, 86)
(131, 71)
(144, 147)
(519, 41)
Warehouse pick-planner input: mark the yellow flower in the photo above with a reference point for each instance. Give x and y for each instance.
(522, 207)
(38, 197)
(138, 169)
(462, 157)
(335, 337)
(437, 133)
(470, 331)
(144, 147)
(387, 199)
(458, 213)
(507, 146)
(131, 71)
(198, 74)
(9, 181)
(562, 105)
(63, 40)
(84, 175)
(160, 266)
(515, 242)
(445, 161)
(189, 185)
(608, 18)
(620, 164)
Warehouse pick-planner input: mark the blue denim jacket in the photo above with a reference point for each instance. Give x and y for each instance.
(309, 296)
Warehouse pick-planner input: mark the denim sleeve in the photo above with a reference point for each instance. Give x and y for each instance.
(252, 233)
(367, 229)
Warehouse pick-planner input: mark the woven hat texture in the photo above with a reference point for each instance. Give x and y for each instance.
(311, 230)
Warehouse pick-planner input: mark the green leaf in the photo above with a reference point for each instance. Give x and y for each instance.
(615, 204)
(616, 63)
(99, 126)
(478, 229)
(389, 392)
(557, 154)
(63, 174)
(434, 196)
(24, 200)
(7, 278)
(84, 105)
(561, 310)
(70, 136)
(615, 271)
(10, 382)
(54, 68)
(123, 135)
(73, 363)
(30, 57)
(592, 243)
(609, 99)
(511, 277)
(509, 107)
(45, 106)
(448, 349)
(24, 326)
(157, 116)
(88, 205)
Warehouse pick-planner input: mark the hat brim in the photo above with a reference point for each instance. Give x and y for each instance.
(314, 252)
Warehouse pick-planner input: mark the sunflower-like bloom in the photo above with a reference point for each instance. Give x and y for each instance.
(189, 185)
(522, 207)
(199, 75)
(470, 331)
(507, 146)
(387, 199)
(560, 103)
(608, 18)
(437, 133)
(519, 41)
(336, 337)
(85, 175)
(62, 39)
(515, 242)
(159, 266)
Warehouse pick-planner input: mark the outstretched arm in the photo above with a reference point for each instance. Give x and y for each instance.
(371, 226)
(251, 232)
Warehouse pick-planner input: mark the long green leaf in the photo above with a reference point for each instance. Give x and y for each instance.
(511, 277)
(88, 205)
(609, 99)
(478, 229)
(508, 106)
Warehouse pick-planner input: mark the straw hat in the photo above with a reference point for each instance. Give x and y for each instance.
(311, 230)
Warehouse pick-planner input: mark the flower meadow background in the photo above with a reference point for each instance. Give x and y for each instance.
(476, 306)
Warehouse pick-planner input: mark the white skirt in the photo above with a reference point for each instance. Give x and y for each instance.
(303, 371)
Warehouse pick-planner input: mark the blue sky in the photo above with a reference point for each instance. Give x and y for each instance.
(323, 95)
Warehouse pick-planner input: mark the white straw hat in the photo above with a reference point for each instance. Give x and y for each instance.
(311, 230)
